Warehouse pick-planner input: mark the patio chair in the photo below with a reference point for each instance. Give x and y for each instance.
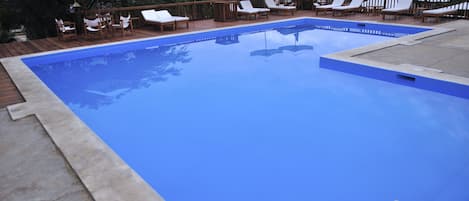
(355, 5)
(279, 8)
(324, 8)
(402, 7)
(448, 10)
(152, 17)
(65, 29)
(124, 24)
(93, 26)
(164, 14)
(248, 10)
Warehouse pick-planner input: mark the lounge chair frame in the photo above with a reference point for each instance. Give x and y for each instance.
(345, 11)
(279, 9)
(251, 11)
(98, 28)
(452, 10)
(403, 8)
(438, 16)
(325, 8)
(358, 8)
(63, 33)
(121, 25)
(161, 25)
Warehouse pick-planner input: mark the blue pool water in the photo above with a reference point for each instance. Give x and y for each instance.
(248, 114)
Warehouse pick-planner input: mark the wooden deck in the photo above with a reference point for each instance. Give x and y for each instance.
(9, 94)
(48, 44)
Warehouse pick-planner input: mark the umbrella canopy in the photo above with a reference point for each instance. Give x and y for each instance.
(295, 29)
(296, 48)
(266, 52)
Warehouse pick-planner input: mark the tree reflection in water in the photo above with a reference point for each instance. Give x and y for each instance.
(101, 80)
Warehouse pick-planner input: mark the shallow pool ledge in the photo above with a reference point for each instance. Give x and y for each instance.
(347, 61)
(104, 174)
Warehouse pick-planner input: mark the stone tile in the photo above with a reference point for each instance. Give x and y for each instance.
(457, 65)
(31, 167)
(448, 52)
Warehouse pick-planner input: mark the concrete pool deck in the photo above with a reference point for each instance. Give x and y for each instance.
(447, 52)
(31, 167)
(55, 122)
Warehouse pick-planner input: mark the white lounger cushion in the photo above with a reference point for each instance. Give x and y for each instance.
(164, 14)
(153, 16)
(335, 3)
(67, 28)
(247, 6)
(354, 4)
(247, 11)
(62, 27)
(453, 8)
(93, 25)
(271, 4)
(402, 5)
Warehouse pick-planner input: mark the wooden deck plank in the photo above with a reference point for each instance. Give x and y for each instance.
(24, 49)
(35, 44)
(31, 47)
(13, 49)
(57, 43)
(9, 94)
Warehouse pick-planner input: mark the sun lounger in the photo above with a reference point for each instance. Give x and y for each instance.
(402, 6)
(355, 5)
(448, 10)
(152, 17)
(164, 14)
(163, 18)
(248, 10)
(279, 8)
(327, 7)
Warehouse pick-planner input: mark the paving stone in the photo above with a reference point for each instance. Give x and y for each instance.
(31, 167)
(448, 52)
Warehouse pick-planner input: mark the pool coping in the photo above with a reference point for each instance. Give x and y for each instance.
(103, 173)
(350, 56)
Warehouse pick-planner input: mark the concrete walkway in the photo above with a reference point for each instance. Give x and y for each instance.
(31, 167)
(448, 52)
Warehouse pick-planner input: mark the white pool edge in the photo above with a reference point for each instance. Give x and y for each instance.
(105, 175)
(350, 56)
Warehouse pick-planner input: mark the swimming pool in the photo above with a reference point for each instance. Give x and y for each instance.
(247, 113)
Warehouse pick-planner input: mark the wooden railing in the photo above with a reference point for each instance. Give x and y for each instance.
(418, 5)
(195, 10)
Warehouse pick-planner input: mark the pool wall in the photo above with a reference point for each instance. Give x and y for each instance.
(98, 167)
(402, 78)
(408, 75)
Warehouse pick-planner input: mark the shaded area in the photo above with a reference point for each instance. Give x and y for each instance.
(32, 168)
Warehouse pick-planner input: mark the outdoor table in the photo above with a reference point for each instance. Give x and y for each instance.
(225, 10)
